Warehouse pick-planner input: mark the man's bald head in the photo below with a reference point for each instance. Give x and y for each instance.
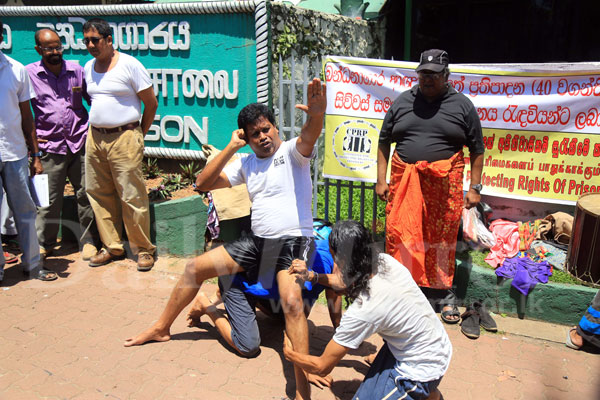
(47, 33)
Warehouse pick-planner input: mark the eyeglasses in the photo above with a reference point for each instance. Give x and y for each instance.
(93, 39)
(52, 49)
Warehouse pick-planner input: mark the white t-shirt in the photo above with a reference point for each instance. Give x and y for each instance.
(280, 190)
(15, 88)
(114, 93)
(398, 311)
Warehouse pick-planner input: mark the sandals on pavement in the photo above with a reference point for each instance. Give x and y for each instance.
(41, 274)
(450, 313)
(569, 343)
(10, 258)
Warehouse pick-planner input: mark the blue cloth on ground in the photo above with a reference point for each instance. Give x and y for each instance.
(525, 272)
(321, 262)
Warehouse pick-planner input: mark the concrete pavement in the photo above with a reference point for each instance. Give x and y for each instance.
(64, 340)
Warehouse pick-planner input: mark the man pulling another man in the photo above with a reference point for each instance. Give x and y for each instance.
(279, 184)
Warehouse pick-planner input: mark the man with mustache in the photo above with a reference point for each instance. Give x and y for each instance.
(118, 85)
(277, 176)
(61, 123)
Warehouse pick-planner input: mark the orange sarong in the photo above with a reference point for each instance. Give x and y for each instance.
(422, 218)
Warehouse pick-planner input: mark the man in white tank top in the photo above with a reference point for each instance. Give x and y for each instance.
(118, 84)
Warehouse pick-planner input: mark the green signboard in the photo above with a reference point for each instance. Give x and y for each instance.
(206, 61)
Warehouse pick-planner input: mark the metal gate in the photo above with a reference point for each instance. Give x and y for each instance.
(333, 199)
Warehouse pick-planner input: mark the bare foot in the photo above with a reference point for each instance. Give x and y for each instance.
(149, 335)
(198, 309)
(450, 317)
(576, 339)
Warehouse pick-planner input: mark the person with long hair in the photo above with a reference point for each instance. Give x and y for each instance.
(385, 300)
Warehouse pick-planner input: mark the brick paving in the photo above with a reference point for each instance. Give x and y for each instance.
(63, 340)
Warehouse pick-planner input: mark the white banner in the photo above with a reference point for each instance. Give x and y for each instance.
(541, 123)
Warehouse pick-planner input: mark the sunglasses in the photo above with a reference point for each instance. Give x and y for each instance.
(93, 39)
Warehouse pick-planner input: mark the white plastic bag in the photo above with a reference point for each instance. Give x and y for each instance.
(474, 231)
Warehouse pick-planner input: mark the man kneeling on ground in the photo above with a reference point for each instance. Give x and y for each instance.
(238, 325)
(279, 184)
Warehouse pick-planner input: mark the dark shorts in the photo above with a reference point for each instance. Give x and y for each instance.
(262, 258)
(384, 382)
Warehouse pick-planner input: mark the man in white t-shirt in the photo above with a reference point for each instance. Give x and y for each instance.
(278, 179)
(17, 134)
(385, 300)
(118, 84)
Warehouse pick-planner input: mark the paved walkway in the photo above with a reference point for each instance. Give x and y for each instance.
(63, 340)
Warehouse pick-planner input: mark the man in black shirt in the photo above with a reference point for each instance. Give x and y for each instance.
(430, 124)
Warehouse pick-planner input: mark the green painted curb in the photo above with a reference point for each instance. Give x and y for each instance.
(176, 226)
(551, 302)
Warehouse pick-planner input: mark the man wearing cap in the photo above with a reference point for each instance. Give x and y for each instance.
(61, 123)
(430, 124)
(118, 84)
(17, 136)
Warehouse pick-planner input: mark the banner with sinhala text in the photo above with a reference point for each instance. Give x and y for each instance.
(541, 127)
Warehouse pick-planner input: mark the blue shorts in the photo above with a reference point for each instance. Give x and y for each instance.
(384, 382)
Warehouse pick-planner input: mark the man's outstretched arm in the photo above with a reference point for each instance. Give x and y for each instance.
(315, 110)
(321, 365)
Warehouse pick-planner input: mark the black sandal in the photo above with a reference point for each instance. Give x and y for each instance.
(450, 313)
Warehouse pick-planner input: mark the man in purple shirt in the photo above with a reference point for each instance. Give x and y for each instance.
(61, 122)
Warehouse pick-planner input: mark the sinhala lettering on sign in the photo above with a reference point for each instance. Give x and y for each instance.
(203, 64)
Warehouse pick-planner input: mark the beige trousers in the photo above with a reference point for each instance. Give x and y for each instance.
(116, 189)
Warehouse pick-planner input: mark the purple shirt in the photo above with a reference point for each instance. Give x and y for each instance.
(60, 117)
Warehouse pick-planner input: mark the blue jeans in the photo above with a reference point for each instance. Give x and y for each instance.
(14, 177)
(384, 382)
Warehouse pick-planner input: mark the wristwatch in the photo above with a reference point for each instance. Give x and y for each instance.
(477, 187)
(38, 154)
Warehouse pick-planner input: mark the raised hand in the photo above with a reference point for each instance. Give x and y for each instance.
(317, 99)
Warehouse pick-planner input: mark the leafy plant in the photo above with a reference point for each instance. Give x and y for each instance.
(169, 184)
(285, 42)
(160, 192)
(150, 168)
(189, 172)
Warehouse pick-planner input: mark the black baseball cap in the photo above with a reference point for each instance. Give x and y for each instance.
(433, 60)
